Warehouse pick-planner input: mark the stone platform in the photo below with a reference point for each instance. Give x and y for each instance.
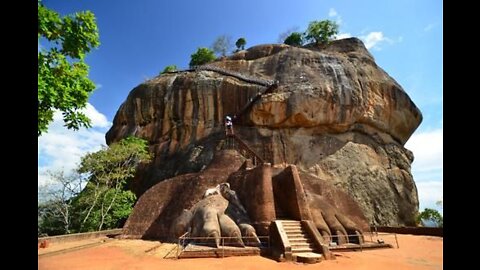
(308, 257)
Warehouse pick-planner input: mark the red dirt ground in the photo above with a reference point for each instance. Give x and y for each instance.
(415, 252)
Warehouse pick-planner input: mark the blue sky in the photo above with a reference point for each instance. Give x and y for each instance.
(139, 38)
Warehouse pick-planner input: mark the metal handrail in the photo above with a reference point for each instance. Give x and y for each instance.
(371, 240)
(184, 238)
(238, 75)
(244, 146)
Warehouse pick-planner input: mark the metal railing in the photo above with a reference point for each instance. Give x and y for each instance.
(375, 238)
(238, 75)
(185, 240)
(252, 100)
(244, 149)
(223, 71)
(209, 242)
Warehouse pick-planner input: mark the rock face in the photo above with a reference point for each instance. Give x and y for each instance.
(335, 114)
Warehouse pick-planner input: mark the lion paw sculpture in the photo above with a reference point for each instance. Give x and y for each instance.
(219, 214)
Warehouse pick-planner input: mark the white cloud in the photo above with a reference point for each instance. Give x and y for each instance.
(343, 35)
(427, 148)
(61, 148)
(429, 27)
(98, 119)
(427, 167)
(332, 12)
(372, 39)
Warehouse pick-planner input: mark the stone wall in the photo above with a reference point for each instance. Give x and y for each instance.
(290, 195)
(255, 191)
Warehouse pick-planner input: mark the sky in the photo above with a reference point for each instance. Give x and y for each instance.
(140, 38)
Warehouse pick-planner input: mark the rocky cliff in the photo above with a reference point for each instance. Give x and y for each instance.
(334, 114)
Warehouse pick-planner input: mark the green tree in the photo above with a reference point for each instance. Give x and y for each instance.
(321, 31)
(294, 39)
(63, 82)
(222, 45)
(282, 36)
(430, 215)
(201, 56)
(241, 42)
(170, 68)
(105, 201)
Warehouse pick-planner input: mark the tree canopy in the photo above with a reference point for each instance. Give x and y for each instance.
(201, 56)
(282, 36)
(241, 42)
(321, 31)
(430, 215)
(63, 82)
(294, 39)
(105, 200)
(169, 68)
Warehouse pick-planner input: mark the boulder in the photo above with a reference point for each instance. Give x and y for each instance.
(334, 114)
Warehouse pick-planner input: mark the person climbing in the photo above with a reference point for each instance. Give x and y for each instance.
(228, 126)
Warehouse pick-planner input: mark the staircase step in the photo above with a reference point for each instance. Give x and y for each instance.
(299, 239)
(297, 235)
(292, 228)
(293, 231)
(286, 221)
(297, 244)
(291, 225)
(302, 249)
(302, 245)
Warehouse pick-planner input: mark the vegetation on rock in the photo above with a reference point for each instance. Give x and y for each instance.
(317, 31)
(294, 39)
(222, 45)
(321, 31)
(241, 42)
(201, 56)
(282, 36)
(170, 68)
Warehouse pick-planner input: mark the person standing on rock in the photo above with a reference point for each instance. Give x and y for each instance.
(228, 126)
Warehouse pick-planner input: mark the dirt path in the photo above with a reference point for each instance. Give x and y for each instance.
(415, 252)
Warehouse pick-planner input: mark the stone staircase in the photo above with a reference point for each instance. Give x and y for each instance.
(244, 149)
(270, 86)
(238, 75)
(298, 242)
(254, 99)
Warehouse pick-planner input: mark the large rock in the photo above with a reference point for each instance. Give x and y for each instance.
(334, 114)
